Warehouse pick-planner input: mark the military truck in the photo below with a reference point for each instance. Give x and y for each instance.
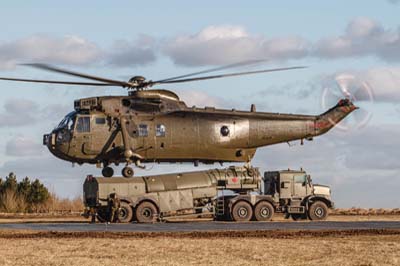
(289, 191)
(234, 193)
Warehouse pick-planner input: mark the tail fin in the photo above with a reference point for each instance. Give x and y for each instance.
(333, 116)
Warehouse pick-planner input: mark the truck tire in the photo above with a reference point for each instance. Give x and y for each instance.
(318, 211)
(263, 211)
(146, 212)
(242, 212)
(125, 213)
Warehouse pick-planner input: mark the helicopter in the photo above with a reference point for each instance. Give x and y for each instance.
(155, 125)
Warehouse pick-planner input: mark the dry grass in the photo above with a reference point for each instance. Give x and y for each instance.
(368, 212)
(170, 250)
(57, 204)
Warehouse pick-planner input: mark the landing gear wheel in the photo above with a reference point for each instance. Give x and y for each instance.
(107, 171)
(318, 211)
(125, 213)
(263, 211)
(145, 212)
(242, 212)
(127, 172)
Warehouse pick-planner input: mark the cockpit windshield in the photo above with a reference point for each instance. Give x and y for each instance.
(68, 121)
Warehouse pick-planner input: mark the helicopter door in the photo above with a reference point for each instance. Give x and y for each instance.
(145, 139)
(82, 136)
(99, 134)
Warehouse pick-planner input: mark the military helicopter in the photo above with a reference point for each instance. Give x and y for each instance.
(154, 125)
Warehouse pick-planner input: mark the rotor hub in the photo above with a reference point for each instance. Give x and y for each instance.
(137, 82)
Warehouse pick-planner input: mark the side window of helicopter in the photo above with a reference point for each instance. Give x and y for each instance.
(143, 130)
(83, 124)
(160, 130)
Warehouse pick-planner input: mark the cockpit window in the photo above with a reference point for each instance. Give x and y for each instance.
(68, 121)
(83, 124)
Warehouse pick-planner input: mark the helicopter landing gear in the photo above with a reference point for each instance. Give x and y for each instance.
(127, 171)
(107, 171)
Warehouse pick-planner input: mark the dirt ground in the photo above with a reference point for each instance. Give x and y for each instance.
(268, 248)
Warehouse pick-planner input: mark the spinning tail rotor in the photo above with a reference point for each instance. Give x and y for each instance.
(353, 89)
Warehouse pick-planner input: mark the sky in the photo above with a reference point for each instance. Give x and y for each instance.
(352, 44)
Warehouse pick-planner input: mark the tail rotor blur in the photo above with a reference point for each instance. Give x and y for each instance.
(356, 90)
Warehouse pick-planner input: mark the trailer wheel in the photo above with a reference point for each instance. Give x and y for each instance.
(125, 213)
(263, 211)
(318, 211)
(242, 211)
(145, 212)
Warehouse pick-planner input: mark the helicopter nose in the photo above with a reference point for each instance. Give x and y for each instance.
(49, 139)
(46, 139)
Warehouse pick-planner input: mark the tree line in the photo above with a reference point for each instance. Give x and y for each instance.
(23, 196)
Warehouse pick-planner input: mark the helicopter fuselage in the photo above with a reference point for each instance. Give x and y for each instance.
(154, 125)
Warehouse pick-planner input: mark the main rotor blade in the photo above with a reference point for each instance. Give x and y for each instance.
(227, 75)
(76, 74)
(58, 82)
(243, 63)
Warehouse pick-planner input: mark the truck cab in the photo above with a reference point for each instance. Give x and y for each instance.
(291, 192)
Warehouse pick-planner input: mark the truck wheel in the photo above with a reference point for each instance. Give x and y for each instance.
(125, 213)
(242, 212)
(263, 211)
(318, 211)
(145, 212)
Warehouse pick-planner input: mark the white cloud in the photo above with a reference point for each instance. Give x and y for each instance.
(363, 37)
(380, 84)
(24, 112)
(200, 99)
(213, 45)
(385, 83)
(23, 146)
(18, 112)
(139, 52)
(72, 50)
(217, 45)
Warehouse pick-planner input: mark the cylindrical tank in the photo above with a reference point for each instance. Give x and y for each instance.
(232, 178)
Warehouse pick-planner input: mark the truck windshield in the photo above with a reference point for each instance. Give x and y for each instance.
(68, 121)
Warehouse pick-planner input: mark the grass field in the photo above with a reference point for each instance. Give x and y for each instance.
(29, 248)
